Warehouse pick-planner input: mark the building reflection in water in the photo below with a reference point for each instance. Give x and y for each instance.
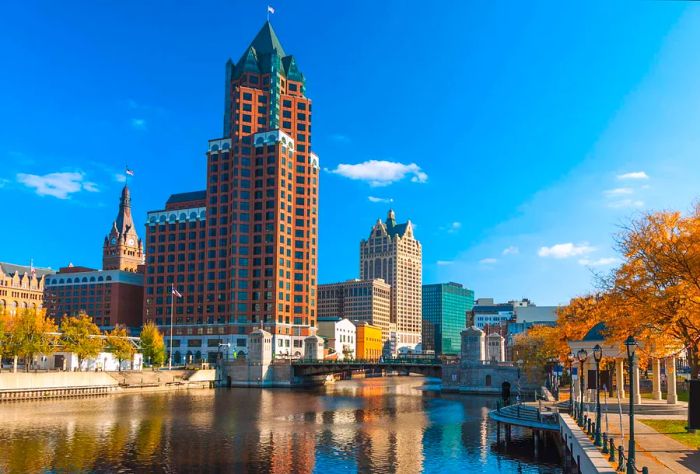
(372, 425)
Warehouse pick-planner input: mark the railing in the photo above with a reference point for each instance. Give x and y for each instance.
(401, 361)
(607, 444)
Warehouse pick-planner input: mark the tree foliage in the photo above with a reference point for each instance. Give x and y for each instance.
(31, 333)
(78, 337)
(119, 345)
(152, 344)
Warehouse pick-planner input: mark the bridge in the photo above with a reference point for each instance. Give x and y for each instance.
(426, 367)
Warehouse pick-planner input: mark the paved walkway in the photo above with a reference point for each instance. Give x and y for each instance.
(660, 453)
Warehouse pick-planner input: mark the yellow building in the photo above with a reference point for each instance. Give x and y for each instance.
(368, 341)
(21, 286)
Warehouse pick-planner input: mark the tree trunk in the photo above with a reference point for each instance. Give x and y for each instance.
(14, 364)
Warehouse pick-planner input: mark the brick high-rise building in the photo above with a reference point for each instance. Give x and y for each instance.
(243, 252)
(393, 254)
(357, 300)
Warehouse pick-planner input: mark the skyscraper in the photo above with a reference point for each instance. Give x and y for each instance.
(254, 250)
(392, 253)
(445, 308)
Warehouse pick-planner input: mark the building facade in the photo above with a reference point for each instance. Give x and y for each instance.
(357, 300)
(340, 336)
(445, 308)
(111, 296)
(22, 287)
(392, 253)
(370, 343)
(248, 253)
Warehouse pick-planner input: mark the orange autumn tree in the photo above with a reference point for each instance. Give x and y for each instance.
(655, 293)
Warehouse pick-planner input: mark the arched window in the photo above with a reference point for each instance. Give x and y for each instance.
(108, 278)
(488, 380)
(100, 278)
(215, 148)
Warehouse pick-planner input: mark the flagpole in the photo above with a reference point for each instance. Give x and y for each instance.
(172, 305)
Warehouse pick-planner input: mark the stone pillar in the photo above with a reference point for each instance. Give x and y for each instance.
(671, 395)
(620, 376)
(637, 395)
(656, 379)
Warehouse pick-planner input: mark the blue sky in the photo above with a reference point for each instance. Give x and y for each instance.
(516, 137)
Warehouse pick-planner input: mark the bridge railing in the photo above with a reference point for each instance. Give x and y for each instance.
(398, 361)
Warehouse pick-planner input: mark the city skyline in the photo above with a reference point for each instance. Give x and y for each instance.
(511, 221)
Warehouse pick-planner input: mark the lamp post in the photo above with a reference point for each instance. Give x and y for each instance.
(570, 357)
(597, 355)
(582, 355)
(631, 346)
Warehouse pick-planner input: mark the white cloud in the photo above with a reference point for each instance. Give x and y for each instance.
(488, 261)
(565, 250)
(138, 123)
(601, 262)
(626, 204)
(381, 173)
(378, 199)
(443, 263)
(120, 178)
(454, 227)
(59, 185)
(90, 187)
(633, 175)
(512, 250)
(618, 192)
(3, 182)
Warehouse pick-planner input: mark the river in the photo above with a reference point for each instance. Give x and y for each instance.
(384, 425)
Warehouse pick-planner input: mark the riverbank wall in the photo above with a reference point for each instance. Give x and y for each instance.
(44, 385)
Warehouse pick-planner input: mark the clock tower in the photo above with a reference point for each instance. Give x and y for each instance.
(123, 249)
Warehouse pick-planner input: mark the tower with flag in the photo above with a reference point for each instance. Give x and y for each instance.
(243, 251)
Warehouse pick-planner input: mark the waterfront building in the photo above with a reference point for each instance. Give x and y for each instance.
(392, 253)
(369, 341)
(340, 336)
(243, 252)
(111, 296)
(357, 300)
(487, 313)
(313, 347)
(495, 348)
(473, 345)
(445, 308)
(22, 286)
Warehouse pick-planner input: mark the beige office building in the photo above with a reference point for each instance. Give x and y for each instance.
(357, 300)
(22, 286)
(393, 254)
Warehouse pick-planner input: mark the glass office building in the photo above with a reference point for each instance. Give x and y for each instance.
(445, 307)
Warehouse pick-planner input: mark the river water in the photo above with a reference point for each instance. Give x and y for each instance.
(385, 425)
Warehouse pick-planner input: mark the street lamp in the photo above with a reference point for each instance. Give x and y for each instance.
(597, 355)
(570, 357)
(631, 346)
(582, 355)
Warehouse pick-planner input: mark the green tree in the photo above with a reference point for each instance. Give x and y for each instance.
(152, 344)
(79, 337)
(4, 335)
(120, 345)
(31, 333)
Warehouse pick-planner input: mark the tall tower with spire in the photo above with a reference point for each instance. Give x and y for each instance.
(392, 253)
(122, 248)
(253, 232)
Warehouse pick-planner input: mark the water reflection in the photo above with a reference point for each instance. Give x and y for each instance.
(372, 425)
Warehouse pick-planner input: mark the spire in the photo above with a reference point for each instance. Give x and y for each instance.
(124, 222)
(266, 41)
(391, 218)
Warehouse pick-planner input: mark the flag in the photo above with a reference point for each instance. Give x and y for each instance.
(129, 172)
(270, 9)
(176, 293)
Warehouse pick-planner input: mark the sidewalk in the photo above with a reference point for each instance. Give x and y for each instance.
(658, 452)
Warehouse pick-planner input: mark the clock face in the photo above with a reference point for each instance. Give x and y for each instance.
(114, 241)
(131, 242)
